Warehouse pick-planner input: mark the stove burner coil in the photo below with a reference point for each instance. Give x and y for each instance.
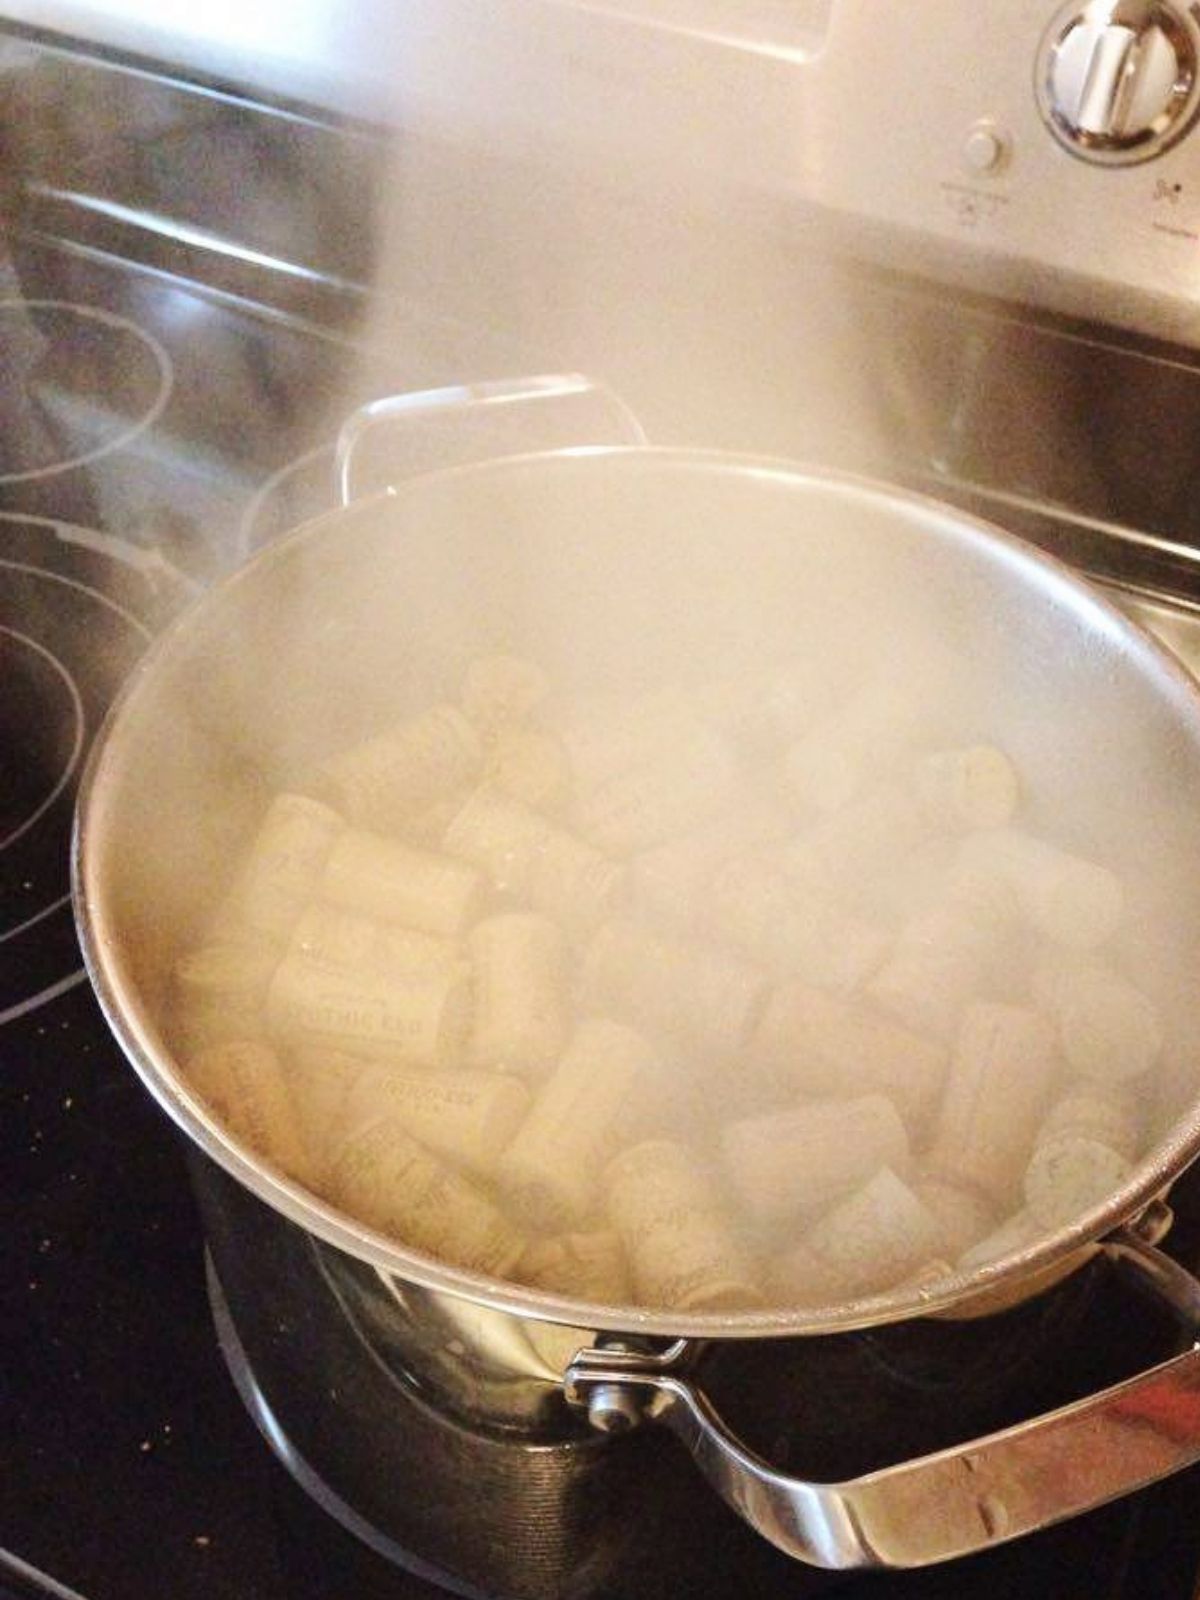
(115, 361)
(41, 719)
(65, 647)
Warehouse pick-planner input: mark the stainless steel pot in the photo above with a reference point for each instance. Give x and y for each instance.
(630, 565)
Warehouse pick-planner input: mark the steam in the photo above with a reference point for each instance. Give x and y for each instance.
(564, 192)
(841, 687)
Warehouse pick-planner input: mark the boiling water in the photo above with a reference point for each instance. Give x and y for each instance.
(736, 994)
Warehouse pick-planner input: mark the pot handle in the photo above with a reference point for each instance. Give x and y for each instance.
(436, 428)
(948, 1504)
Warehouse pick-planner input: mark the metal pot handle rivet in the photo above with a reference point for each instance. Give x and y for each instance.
(953, 1502)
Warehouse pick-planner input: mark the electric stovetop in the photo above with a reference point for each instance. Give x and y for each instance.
(152, 433)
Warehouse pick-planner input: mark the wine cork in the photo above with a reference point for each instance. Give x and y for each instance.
(846, 849)
(427, 828)
(672, 880)
(941, 960)
(815, 1043)
(751, 904)
(1069, 1175)
(580, 1266)
(574, 884)
(619, 737)
(377, 877)
(1108, 1028)
(521, 1012)
(669, 881)
(281, 870)
(321, 1082)
(498, 835)
(464, 1116)
(877, 1236)
(386, 1178)
(502, 691)
(687, 992)
(217, 993)
(1017, 1233)
(531, 767)
(802, 1160)
(963, 1215)
(685, 783)
(379, 784)
(418, 1021)
(550, 1172)
(243, 1082)
(799, 1277)
(968, 788)
(1095, 1111)
(1083, 1153)
(1002, 1076)
(1075, 902)
(983, 892)
(344, 939)
(847, 749)
(683, 1251)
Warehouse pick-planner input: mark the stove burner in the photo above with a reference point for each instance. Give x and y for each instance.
(77, 610)
(300, 489)
(98, 381)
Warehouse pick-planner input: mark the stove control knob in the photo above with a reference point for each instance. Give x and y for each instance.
(1118, 81)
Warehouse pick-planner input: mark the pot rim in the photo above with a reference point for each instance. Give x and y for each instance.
(1150, 1178)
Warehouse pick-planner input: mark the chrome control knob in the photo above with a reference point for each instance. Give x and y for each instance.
(1118, 81)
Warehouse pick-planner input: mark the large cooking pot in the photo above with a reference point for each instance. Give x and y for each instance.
(629, 566)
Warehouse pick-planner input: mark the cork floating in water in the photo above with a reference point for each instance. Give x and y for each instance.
(735, 998)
